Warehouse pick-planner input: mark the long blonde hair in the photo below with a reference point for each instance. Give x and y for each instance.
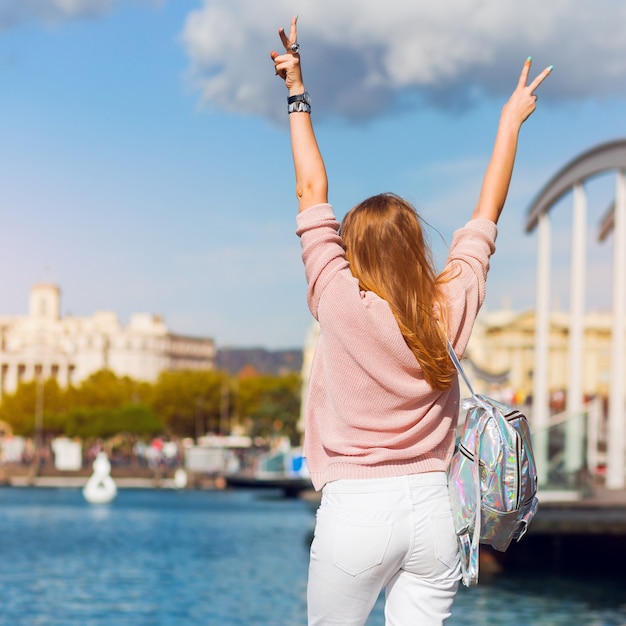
(388, 255)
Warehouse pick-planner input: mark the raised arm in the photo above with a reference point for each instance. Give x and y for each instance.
(515, 112)
(311, 179)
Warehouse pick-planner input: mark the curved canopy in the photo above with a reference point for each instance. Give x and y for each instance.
(607, 156)
(607, 222)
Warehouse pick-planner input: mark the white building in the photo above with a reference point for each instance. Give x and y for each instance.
(70, 349)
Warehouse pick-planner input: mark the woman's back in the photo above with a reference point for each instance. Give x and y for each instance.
(370, 411)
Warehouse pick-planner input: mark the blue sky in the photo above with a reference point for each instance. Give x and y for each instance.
(145, 163)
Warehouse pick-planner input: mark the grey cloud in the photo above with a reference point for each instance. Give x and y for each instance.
(361, 58)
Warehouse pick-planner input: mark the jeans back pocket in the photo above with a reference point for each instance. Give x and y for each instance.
(360, 546)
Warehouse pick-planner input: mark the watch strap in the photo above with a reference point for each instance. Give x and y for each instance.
(300, 97)
(300, 103)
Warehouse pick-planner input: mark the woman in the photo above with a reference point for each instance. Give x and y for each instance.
(383, 396)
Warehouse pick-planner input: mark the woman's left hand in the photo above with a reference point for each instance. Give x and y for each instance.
(287, 65)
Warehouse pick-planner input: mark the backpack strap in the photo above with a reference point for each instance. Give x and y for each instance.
(459, 367)
(477, 435)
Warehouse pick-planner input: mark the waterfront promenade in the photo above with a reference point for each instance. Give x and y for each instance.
(571, 533)
(126, 477)
(603, 511)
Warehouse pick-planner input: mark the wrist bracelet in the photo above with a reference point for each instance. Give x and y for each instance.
(300, 103)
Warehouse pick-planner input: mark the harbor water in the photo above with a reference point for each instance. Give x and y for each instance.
(222, 558)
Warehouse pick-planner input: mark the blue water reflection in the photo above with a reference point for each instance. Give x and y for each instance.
(152, 557)
(233, 558)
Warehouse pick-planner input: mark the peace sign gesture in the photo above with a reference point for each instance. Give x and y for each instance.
(523, 100)
(497, 178)
(287, 65)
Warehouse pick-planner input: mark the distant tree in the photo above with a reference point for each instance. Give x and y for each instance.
(101, 405)
(101, 422)
(271, 404)
(19, 408)
(186, 403)
(105, 389)
(190, 403)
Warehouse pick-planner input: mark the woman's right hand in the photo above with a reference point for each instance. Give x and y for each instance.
(287, 65)
(515, 112)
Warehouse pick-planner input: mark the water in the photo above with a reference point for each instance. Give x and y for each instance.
(234, 558)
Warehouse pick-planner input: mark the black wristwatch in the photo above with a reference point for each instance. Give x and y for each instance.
(300, 103)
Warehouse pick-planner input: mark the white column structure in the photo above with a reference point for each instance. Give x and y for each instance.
(575, 426)
(616, 444)
(11, 380)
(541, 401)
(610, 156)
(63, 376)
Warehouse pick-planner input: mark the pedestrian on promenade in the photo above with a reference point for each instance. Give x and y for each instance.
(383, 397)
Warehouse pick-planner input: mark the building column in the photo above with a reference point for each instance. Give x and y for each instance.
(46, 370)
(10, 381)
(29, 371)
(63, 375)
(574, 427)
(616, 452)
(541, 400)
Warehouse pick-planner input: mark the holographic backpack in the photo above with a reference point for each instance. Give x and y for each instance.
(492, 478)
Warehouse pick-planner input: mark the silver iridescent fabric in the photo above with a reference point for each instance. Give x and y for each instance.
(492, 479)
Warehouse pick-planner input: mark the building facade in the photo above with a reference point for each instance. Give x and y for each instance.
(70, 349)
(501, 353)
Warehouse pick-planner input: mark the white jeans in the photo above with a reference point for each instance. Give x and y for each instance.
(392, 533)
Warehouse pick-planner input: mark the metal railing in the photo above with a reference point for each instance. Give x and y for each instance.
(575, 447)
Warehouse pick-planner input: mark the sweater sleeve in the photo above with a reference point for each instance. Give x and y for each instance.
(323, 251)
(465, 277)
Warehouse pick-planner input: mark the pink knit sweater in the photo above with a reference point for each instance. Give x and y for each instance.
(369, 412)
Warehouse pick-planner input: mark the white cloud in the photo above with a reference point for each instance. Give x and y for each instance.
(360, 57)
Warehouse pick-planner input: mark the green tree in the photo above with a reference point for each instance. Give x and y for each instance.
(185, 403)
(101, 405)
(101, 422)
(105, 389)
(271, 404)
(19, 408)
(189, 402)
